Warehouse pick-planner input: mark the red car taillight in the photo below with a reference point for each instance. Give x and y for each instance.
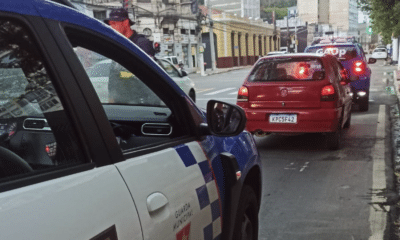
(328, 93)
(243, 94)
(359, 67)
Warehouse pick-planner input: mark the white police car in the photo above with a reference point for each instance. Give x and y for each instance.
(76, 166)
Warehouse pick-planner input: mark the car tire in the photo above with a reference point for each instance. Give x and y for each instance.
(333, 139)
(246, 223)
(192, 95)
(348, 122)
(364, 104)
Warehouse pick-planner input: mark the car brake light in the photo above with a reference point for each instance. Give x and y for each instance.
(243, 94)
(359, 67)
(343, 73)
(301, 71)
(328, 93)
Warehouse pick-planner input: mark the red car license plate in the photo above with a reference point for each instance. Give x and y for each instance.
(283, 118)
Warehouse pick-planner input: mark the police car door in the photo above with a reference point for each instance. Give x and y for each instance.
(50, 187)
(167, 172)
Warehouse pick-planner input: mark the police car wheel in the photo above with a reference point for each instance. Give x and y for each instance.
(364, 105)
(246, 224)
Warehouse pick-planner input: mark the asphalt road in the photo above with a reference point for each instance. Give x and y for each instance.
(310, 192)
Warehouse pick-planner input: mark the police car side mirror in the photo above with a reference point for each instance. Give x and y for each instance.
(371, 60)
(225, 119)
(184, 73)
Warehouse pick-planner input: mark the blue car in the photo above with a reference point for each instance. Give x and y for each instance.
(77, 162)
(352, 57)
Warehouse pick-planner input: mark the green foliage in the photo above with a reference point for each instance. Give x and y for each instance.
(279, 6)
(280, 13)
(278, 3)
(385, 17)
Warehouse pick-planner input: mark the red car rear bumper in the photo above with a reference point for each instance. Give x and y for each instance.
(308, 120)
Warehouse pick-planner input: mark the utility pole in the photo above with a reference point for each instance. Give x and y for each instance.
(295, 32)
(200, 59)
(189, 51)
(288, 34)
(210, 29)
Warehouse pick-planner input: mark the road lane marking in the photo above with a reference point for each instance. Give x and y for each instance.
(204, 90)
(233, 93)
(219, 91)
(304, 167)
(290, 166)
(377, 219)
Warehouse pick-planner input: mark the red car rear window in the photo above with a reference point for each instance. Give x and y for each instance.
(287, 69)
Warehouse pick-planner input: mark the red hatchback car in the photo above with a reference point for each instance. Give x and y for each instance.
(297, 93)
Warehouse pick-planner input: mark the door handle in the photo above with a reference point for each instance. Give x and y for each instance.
(156, 201)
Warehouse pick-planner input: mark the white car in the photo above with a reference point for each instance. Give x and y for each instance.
(379, 53)
(100, 71)
(174, 60)
(276, 53)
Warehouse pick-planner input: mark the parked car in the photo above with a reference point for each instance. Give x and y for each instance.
(100, 71)
(276, 53)
(174, 60)
(76, 166)
(352, 57)
(297, 93)
(284, 49)
(380, 53)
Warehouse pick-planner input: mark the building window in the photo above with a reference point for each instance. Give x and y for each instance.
(165, 30)
(166, 2)
(193, 32)
(183, 31)
(101, 15)
(144, 1)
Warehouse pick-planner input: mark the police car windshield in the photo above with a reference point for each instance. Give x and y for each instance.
(343, 53)
(287, 69)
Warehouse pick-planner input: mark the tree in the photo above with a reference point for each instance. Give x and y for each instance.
(280, 13)
(279, 6)
(384, 16)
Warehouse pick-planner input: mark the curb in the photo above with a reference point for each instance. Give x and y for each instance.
(394, 213)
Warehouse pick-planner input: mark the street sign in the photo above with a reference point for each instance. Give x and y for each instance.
(369, 30)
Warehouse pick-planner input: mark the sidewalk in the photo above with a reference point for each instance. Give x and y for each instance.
(393, 82)
(209, 72)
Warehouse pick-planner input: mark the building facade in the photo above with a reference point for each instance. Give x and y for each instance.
(341, 15)
(171, 23)
(240, 41)
(242, 8)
